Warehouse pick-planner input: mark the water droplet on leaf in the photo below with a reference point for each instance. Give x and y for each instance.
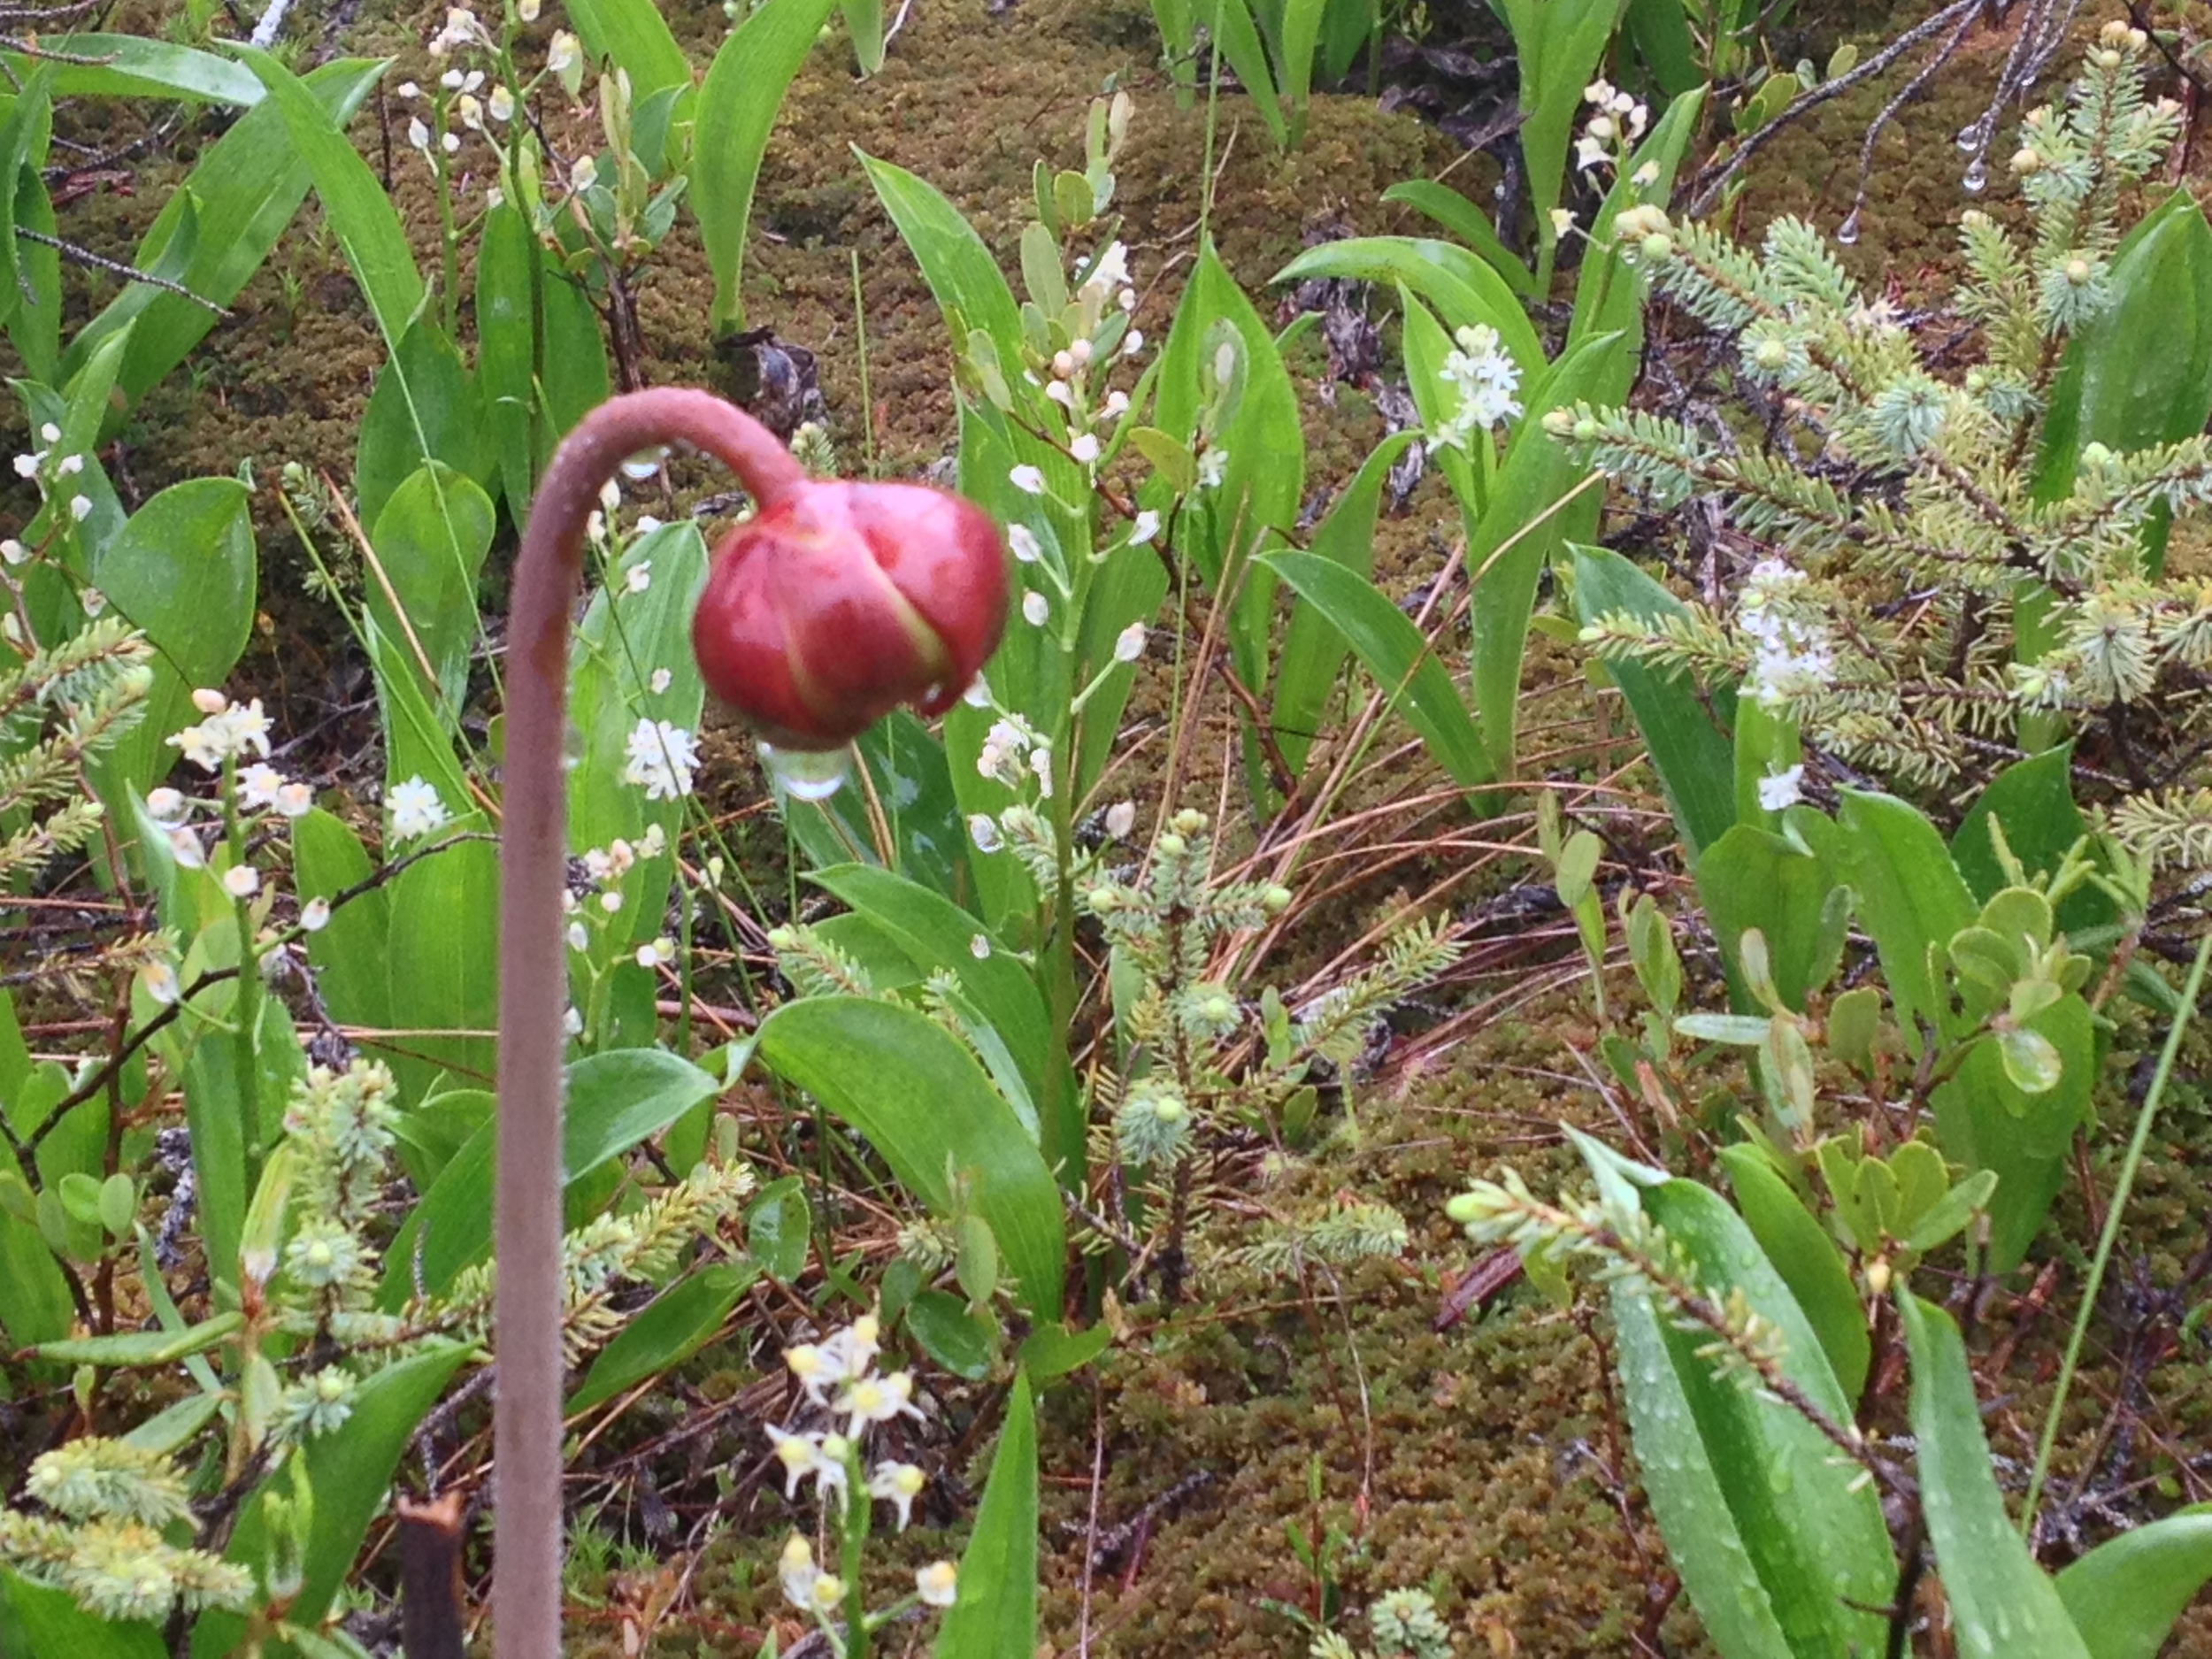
(1977, 176)
(1847, 232)
(804, 774)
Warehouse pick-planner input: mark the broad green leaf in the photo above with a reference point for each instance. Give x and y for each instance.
(1814, 1534)
(1688, 740)
(34, 327)
(1516, 535)
(1985, 1121)
(1401, 661)
(633, 36)
(2033, 799)
(613, 1101)
(430, 537)
(1053, 1350)
(26, 131)
(907, 765)
(347, 954)
(778, 1228)
(1301, 34)
(738, 104)
(137, 66)
(424, 407)
(963, 278)
(2125, 1595)
(350, 1471)
(1909, 896)
(143, 1348)
(909, 1085)
(230, 210)
(1460, 285)
(938, 936)
(1661, 30)
(951, 1335)
(37, 1620)
(995, 1612)
(2001, 1601)
(665, 1332)
(183, 570)
(363, 217)
(1806, 1259)
(172, 1427)
(1313, 647)
(440, 964)
(1752, 878)
(1461, 217)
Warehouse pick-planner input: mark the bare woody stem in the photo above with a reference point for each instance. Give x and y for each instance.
(526, 1532)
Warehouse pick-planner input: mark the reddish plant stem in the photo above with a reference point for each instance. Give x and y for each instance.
(533, 973)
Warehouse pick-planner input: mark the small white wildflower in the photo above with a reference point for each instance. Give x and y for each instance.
(1109, 270)
(563, 54)
(1116, 406)
(661, 680)
(646, 524)
(165, 806)
(610, 494)
(1062, 364)
(451, 81)
(979, 947)
(639, 577)
(869, 1400)
(471, 81)
(662, 760)
(259, 784)
(900, 1484)
(80, 508)
(1027, 479)
(526, 10)
(1211, 468)
(450, 143)
(937, 1584)
(293, 800)
(573, 1021)
(13, 551)
(1022, 540)
(611, 902)
(415, 808)
(315, 915)
(1041, 762)
(1649, 173)
(1780, 789)
(69, 467)
(185, 847)
(50, 434)
(93, 600)
(796, 1571)
(1036, 609)
(501, 105)
(26, 465)
(407, 89)
(977, 695)
(208, 700)
(659, 954)
(1061, 393)
(1132, 342)
(158, 980)
(418, 135)
(584, 174)
(1129, 643)
(1084, 448)
(983, 830)
(241, 881)
(1121, 818)
(1146, 526)
(471, 111)
(579, 937)
(1563, 220)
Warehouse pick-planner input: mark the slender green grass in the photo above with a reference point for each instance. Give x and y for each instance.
(2128, 1164)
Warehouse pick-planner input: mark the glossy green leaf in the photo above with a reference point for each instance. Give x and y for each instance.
(1053, 1350)
(963, 278)
(1807, 1260)
(137, 66)
(1752, 878)
(778, 1227)
(910, 1086)
(347, 954)
(665, 1333)
(1521, 531)
(939, 937)
(431, 536)
(1688, 740)
(613, 1101)
(1314, 648)
(1401, 661)
(37, 1620)
(633, 36)
(738, 104)
(1460, 285)
(1468, 223)
(2033, 799)
(950, 1334)
(230, 210)
(995, 1612)
(424, 407)
(363, 217)
(26, 131)
(183, 569)
(350, 1470)
(2125, 1595)
(1985, 1121)
(2001, 1601)
(440, 964)
(1909, 896)
(143, 1348)
(1242, 50)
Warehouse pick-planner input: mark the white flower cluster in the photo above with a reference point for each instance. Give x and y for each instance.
(415, 809)
(1014, 751)
(1617, 120)
(662, 759)
(47, 471)
(1486, 376)
(226, 733)
(839, 1375)
(1792, 655)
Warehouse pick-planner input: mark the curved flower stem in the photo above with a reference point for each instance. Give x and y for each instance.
(533, 973)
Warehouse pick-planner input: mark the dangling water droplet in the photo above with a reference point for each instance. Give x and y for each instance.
(643, 467)
(804, 774)
(1847, 232)
(1977, 176)
(1970, 139)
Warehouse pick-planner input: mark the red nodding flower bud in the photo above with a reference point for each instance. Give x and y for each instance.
(840, 600)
